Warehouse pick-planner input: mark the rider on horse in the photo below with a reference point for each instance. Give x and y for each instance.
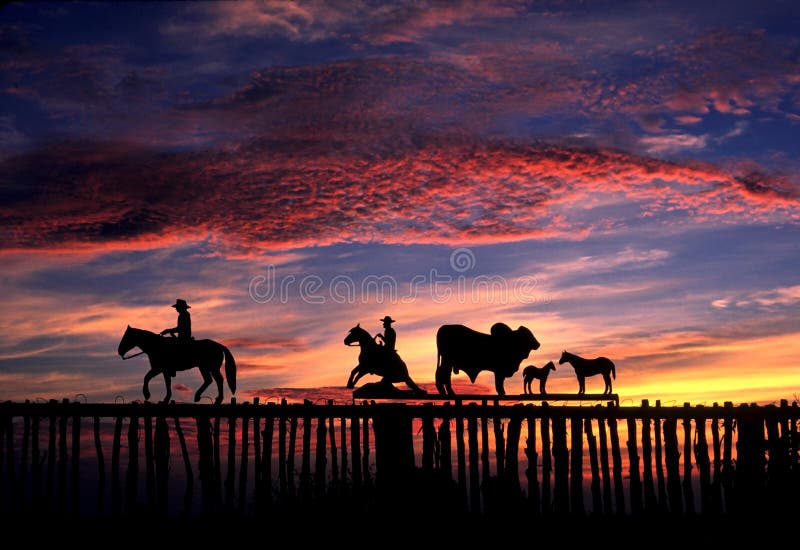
(389, 336)
(183, 330)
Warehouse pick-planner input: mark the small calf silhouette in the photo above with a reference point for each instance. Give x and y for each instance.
(530, 372)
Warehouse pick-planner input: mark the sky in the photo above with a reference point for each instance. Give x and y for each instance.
(622, 178)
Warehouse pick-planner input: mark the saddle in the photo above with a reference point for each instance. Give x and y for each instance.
(181, 354)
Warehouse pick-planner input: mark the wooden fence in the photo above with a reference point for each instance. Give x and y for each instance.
(482, 458)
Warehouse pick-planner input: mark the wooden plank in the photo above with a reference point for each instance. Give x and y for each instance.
(51, 458)
(320, 460)
(244, 464)
(36, 464)
(597, 500)
(161, 450)
(283, 486)
(26, 435)
(662, 487)
(547, 466)
(703, 465)
(334, 450)
(531, 472)
(305, 466)
(445, 446)
(217, 433)
(635, 483)
(650, 501)
(266, 462)
(62, 464)
(474, 483)
(187, 466)
(11, 480)
(290, 459)
(101, 468)
(461, 460)
(365, 469)
(716, 482)
(75, 461)
(616, 466)
(428, 443)
(149, 470)
(511, 475)
(561, 461)
(515, 398)
(499, 445)
(604, 466)
(688, 492)
(355, 451)
(230, 476)
(205, 466)
(116, 500)
(672, 459)
(258, 471)
(576, 466)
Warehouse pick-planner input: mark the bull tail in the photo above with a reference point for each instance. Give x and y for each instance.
(230, 369)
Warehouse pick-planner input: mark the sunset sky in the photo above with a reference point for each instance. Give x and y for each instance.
(623, 178)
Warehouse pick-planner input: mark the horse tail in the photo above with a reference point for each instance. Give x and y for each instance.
(230, 369)
(613, 370)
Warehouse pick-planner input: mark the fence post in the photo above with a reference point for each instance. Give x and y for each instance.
(305, 466)
(561, 459)
(187, 465)
(576, 466)
(474, 485)
(511, 476)
(688, 492)
(62, 462)
(132, 473)
(703, 464)
(633, 459)
(230, 477)
(243, 463)
(150, 476)
(616, 459)
(205, 464)
(662, 489)
(604, 468)
(727, 472)
(75, 460)
(533, 463)
(672, 458)
(162, 451)
(445, 452)
(547, 463)
(36, 464)
(320, 461)
(597, 500)
(716, 487)
(101, 466)
(116, 504)
(461, 460)
(650, 503)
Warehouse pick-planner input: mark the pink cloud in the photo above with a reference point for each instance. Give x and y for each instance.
(440, 190)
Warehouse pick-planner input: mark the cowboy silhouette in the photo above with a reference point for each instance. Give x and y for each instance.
(389, 336)
(183, 330)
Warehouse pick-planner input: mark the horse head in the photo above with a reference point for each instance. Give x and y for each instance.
(357, 335)
(126, 344)
(565, 357)
(550, 366)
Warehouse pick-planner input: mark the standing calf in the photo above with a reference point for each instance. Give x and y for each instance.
(530, 372)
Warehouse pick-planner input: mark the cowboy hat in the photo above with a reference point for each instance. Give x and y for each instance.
(387, 319)
(181, 303)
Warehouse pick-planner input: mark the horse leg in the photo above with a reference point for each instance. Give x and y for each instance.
(499, 379)
(217, 375)
(168, 384)
(351, 382)
(541, 386)
(607, 380)
(411, 384)
(147, 377)
(581, 384)
(206, 382)
(443, 380)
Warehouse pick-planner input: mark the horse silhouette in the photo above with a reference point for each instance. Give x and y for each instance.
(169, 353)
(590, 367)
(374, 359)
(531, 373)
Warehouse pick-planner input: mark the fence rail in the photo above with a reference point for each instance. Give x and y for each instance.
(477, 458)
